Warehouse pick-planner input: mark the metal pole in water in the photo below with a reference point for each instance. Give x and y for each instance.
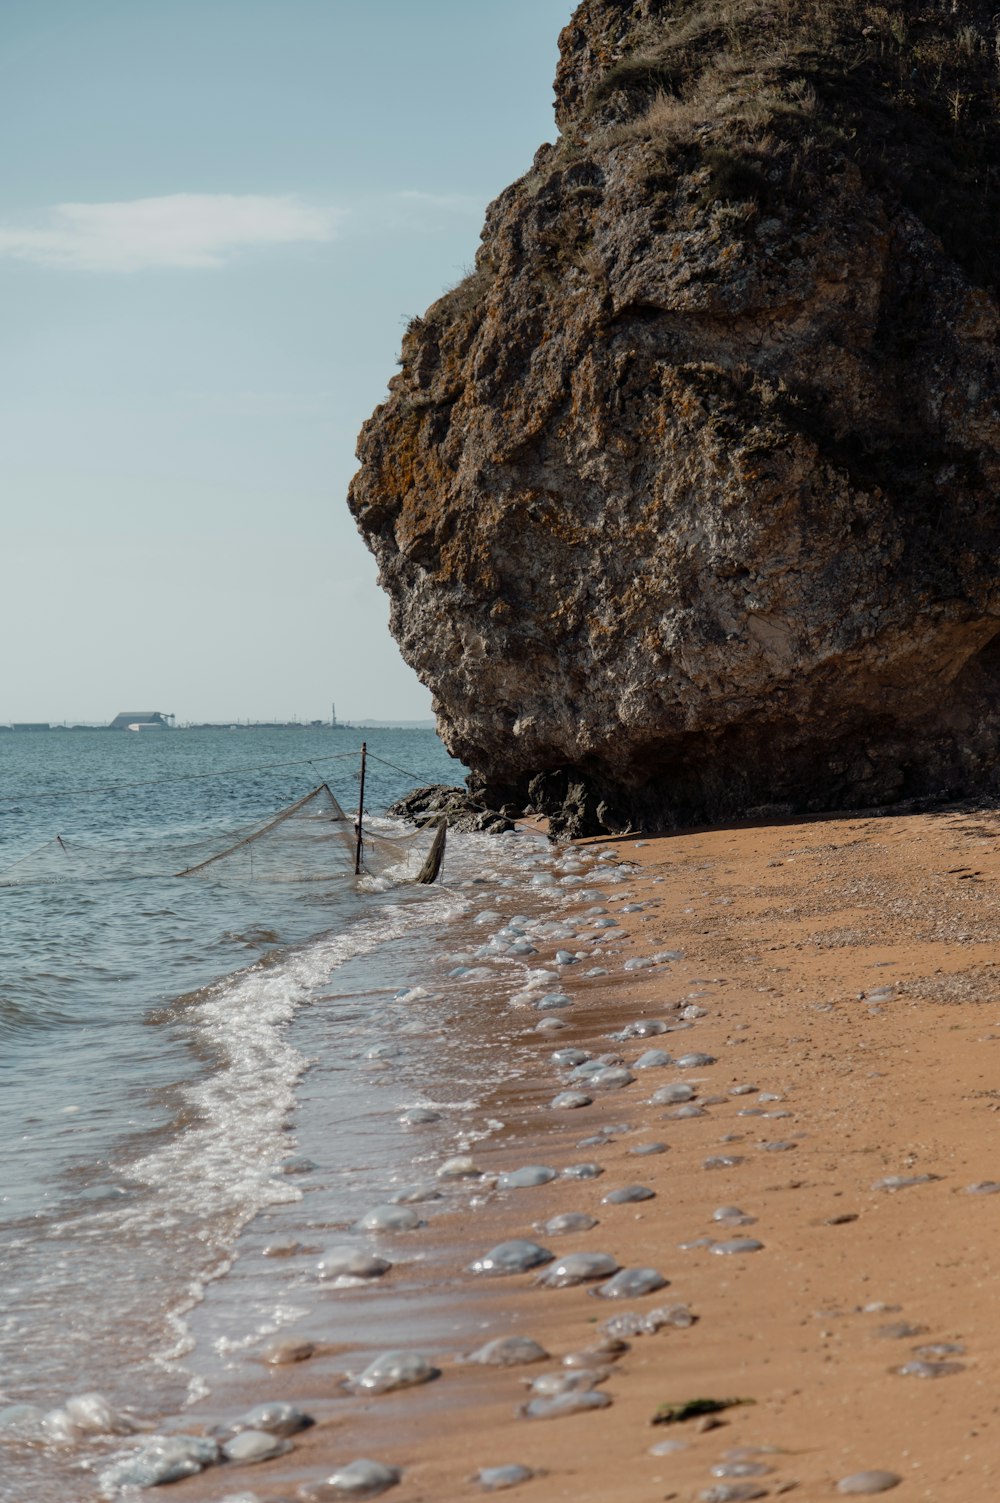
(361, 808)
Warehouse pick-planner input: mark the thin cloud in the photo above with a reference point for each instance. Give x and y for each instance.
(186, 230)
(451, 203)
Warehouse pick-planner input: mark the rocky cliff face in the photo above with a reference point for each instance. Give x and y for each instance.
(688, 500)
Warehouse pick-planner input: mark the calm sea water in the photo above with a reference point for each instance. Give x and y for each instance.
(168, 1047)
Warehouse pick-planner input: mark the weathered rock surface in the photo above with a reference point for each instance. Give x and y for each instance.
(425, 806)
(687, 500)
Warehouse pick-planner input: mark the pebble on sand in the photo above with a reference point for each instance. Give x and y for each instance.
(733, 1492)
(358, 1479)
(578, 1380)
(508, 1351)
(389, 1218)
(392, 1370)
(351, 1263)
(610, 1078)
(627, 1194)
(630, 1283)
(275, 1418)
(566, 1223)
(515, 1256)
(738, 1245)
(646, 1150)
(460, 1167)
(583, 1171)
(414, 1194)
(893, 1182)
(416, 1116)
(564, 1403)
(670, 1095)
(868, 1482)
(255, 1445)
(629, 1323)
(568, 1100)
(918, 1369)
(167, 1459)
(577, 1268)
(494, 1479)
(652, 1059)
(527, 1177)
(288, 1349)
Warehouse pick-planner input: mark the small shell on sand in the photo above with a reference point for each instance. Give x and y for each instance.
(695, 1061)
(508, 1351)
(494, 1479)
(868, 1482)
(515, 1256)
(738, 1245)
(358, 1479)
(564, 1403)
(392, 1370)
(577, 1268)
(630, 1283)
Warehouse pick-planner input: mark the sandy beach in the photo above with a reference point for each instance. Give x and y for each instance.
(841, 974)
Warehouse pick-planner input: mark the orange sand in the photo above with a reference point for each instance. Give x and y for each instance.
(785, 929)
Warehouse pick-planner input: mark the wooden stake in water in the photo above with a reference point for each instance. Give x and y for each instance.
(361, 809)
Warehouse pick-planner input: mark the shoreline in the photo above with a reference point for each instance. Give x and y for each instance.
(845, 964)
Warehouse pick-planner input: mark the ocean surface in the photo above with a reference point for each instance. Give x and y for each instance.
(186, 1061)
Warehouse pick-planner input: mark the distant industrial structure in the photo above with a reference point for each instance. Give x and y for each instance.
(142, 720)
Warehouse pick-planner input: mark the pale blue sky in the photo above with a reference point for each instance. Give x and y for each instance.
(215, 218)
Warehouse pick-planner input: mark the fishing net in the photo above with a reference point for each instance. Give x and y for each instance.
(312, 840)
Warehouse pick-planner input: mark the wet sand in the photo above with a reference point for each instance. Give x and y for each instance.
(847, 968)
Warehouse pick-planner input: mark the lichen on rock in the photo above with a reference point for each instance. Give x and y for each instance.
(687, 500)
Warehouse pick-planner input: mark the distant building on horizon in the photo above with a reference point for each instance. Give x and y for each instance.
(146, 720)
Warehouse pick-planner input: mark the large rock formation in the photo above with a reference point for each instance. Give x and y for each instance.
(688, 499)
